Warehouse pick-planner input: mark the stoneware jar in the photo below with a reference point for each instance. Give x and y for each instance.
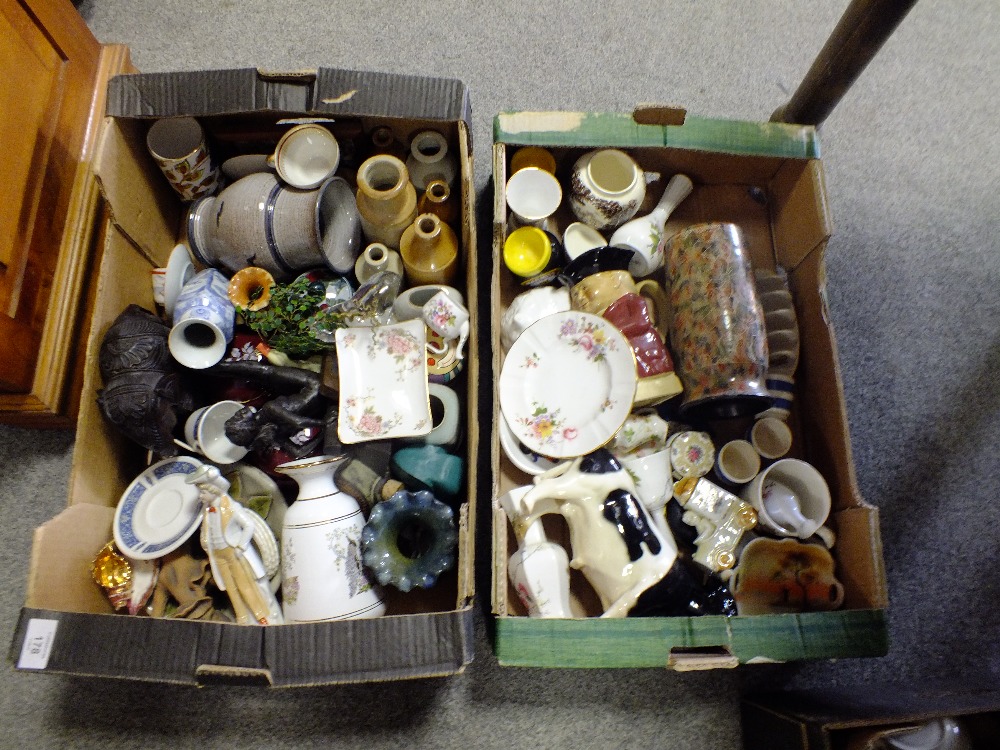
(438, 200)
(386, 199)
(716, 323)
(375, 259)
(606, 188)
(429, 160)
(429, 249)
(257, 221)
(323, 577)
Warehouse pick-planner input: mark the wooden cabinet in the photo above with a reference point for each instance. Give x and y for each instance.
(51, 108)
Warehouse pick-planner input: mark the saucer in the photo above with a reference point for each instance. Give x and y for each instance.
(180, 270)
(240, 166)
(383, 382)
(159, 511)
(523, 458)
(567, 384)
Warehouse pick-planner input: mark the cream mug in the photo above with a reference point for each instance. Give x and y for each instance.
(594, 293)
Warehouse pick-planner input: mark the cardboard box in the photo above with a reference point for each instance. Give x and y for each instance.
(66, 624)
(768, 179)
(862, 717)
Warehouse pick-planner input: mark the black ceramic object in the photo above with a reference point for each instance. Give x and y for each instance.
(594, 261)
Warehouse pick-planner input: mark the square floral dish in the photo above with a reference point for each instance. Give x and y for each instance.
(383, 382)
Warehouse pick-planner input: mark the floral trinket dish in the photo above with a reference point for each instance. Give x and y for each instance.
(383, 382)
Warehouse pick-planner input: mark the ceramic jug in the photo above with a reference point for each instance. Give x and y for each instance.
(606, 188)
(429, 249)
(323, 577)
(257, 221)
(386, 199)
(644, 235)
(716, 323)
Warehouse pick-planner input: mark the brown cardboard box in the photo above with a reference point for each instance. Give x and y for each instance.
(768, 179)
(66, 624)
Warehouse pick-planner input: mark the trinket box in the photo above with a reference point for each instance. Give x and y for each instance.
(767, 180)
(426, 632)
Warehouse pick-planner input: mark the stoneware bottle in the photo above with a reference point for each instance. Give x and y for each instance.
(387, 200)
(644, 234)
(376, 258)
(438, 200)
(323, 577)
(429, 160)
(606, 188)
(429, 249)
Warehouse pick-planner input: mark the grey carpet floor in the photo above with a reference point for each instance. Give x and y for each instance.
(911, 157)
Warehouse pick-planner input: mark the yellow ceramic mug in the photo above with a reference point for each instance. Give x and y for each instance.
(594, 293)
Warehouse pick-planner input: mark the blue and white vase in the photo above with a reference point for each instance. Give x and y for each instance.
(203, 321)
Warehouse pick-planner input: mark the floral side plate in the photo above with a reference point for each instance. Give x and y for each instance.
(567, 384)
(383, 382)
(159, 511)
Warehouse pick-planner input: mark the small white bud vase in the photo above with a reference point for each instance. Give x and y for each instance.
(644, 235)
(429, 160)
(606, 188)
(323, 577)
(375, 259)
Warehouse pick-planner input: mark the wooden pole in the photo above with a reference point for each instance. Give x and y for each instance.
(857, 38)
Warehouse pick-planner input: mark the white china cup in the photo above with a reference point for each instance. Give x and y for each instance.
(791, 492)
(737, 462)
(771, 437)
(533, 195)
(409, 305)
(205, 432)
(306, 156)
(579, 238)
(653, 483)
(529, 307)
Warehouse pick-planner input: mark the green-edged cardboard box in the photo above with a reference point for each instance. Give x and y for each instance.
(768, 179)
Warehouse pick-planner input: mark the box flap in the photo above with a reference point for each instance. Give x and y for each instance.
(324, 91)
(590, 129)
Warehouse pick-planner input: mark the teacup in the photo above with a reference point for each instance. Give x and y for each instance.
(792, 499)
(306, 156)
(410, 303)
(529, 307)
(533, 194)
(737, 462)
(594, 293)
(653, 482)
(203, 322)
(770, 437)
(447, 318)
(205, 432)
(578, 238)
(532, 156)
